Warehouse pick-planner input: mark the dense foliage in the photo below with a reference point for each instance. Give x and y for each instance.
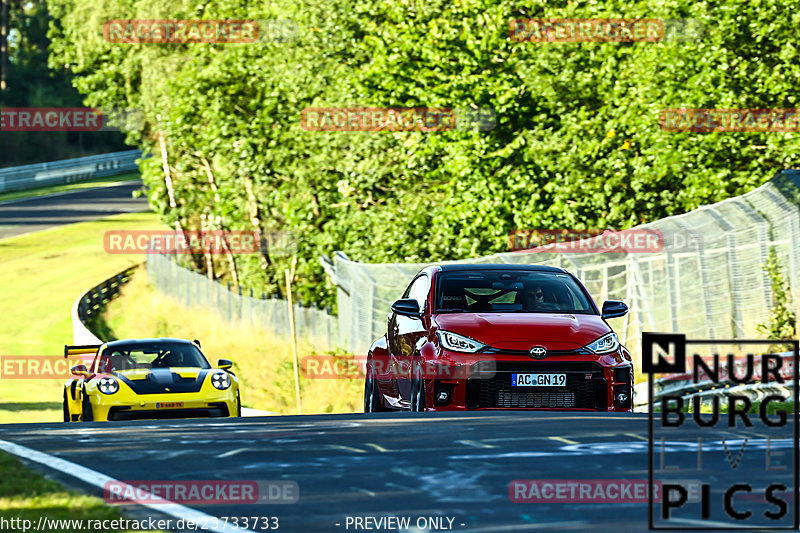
(577, 142)
(782, 323)
(32, 84)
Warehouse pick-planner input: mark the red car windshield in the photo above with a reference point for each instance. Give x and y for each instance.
(503, 291)
(151, 355)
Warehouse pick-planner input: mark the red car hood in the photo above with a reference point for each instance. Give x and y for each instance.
(521, 331)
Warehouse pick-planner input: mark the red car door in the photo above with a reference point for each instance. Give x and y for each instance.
(404, 332)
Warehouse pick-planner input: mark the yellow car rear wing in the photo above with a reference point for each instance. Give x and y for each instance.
(80, 349)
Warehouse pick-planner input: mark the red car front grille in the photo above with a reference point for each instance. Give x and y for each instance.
(585, 387)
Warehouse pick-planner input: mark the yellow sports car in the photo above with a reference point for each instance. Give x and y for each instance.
(137, 379)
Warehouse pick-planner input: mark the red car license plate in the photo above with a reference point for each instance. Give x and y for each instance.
(538, 380)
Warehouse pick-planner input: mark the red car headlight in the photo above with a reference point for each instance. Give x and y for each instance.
(605, 344)
(458, 343)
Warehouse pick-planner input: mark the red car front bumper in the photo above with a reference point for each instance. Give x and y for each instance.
(477, 381)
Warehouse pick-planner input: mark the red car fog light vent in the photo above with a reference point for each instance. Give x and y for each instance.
(443, 393)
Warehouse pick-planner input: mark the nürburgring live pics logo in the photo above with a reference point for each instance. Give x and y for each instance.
(747, 457)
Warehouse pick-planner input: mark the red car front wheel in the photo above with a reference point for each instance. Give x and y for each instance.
(417, 390)
(372, 397)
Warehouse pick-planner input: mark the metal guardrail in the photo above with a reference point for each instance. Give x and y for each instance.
(707, 281)
(233, 304)
(706, 389)
(68, 170)
(92, 302)
(753, 391)
(313, 325)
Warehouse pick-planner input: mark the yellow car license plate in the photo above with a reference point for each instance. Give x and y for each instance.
(169, 405)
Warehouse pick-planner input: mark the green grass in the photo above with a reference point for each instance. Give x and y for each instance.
(41, 275)
(40, 191)
(262, 360)
(26, 494)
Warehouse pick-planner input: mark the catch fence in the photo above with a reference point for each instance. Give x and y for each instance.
(235, 304)
(708, 281)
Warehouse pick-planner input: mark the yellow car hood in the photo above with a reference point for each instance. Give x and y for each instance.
(137, 374)
(164, 380)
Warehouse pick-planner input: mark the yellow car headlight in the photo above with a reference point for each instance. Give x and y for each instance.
(108, 385)
(221, 380)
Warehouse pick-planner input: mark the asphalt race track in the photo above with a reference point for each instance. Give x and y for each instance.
(36, 213)
(456, 465)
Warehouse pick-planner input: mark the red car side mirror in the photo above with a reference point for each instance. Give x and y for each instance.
(407, 307)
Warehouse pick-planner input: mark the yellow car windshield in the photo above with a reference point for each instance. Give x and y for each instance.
(129, 356)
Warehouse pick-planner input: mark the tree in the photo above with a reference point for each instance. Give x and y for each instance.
(577, 142)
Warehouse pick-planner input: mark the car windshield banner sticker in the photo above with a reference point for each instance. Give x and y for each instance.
(722, 412)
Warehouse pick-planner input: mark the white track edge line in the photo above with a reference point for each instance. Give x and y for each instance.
(99, 480)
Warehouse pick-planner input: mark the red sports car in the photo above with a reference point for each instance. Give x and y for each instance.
(498, 336)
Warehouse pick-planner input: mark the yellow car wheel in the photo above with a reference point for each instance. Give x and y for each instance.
(66, 408)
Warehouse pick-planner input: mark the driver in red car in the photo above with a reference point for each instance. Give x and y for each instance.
(532, 297)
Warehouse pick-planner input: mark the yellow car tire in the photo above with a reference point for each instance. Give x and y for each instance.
(66, 408)
(86, 409)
